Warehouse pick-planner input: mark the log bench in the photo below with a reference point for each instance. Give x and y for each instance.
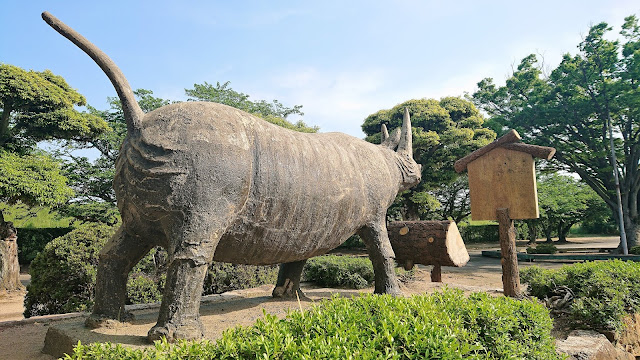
(436, 243)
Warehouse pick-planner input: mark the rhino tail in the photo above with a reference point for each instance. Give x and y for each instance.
(132, 112)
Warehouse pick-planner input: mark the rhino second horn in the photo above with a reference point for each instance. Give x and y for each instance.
(406, 142)
(385, 133)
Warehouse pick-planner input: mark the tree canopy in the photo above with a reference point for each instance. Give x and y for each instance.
(443, 132)
(274, 112)
(564, 201)
(40, 106)
(571, 107)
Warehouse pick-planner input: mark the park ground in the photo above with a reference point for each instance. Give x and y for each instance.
(23, 339)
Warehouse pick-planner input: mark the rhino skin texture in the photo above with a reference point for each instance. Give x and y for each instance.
(209, 182)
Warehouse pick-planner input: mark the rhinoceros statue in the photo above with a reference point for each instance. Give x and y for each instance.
(209, 182)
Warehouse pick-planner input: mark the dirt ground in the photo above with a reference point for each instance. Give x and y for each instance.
(24, 339)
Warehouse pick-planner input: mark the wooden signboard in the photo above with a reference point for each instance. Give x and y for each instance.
(502, 187)
(503, 178)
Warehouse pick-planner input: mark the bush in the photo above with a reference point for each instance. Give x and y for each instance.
(63, 275)
(353, 242)
(605, 291)
(345, 271)
(479, 233)
(31, 241)
(635, 250)
(339, 271)
(374, 327)
(543, 248)
(222, 277)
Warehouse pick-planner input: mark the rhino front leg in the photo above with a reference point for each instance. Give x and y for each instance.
(382, 257)
(288, 283)
(119, 255)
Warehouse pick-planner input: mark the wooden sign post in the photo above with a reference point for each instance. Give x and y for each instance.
(502, 187)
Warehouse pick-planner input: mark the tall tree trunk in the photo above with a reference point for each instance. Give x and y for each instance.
(563, 230)
(532, 230)
(633, 231)
(9, 267)
(547, 232)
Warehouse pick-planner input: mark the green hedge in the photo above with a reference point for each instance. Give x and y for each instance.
(339, 271)
(605, 291)
(543, 248)
(33, 240)
(479, 233)
(63, 275)
(445, 325)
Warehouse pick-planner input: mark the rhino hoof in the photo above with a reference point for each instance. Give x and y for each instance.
(191, 331)
(287, 293)
(96, 321)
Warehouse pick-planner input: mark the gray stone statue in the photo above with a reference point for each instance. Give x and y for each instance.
(210, 182)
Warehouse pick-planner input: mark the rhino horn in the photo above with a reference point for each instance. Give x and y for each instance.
(385, 133)
(406, 143)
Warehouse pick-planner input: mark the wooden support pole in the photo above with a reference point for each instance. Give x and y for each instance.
(436, 273)
(510, 272)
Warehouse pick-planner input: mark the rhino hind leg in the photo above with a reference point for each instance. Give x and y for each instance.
(119, 255)
(382, 257)
(288, 284)
(192, 245)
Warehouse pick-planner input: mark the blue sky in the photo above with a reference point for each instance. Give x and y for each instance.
(341, 60)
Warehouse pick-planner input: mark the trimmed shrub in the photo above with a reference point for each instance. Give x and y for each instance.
(635, 250)
(339, 271)
(63, 275)
(222, 277)
(543, 248)
(31, 241)
(345, 271)
(605, 291)
(374, 327)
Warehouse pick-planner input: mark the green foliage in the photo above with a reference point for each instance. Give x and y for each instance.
(542, 249)
(273, 112)
(40, 106)
(222, 277)
(443, 132)
(63, 275)
(92, 211)
(143, 289)
(563, 202)
(24, 216)
(339, 271)
(32, 179)
(635, 250)
(33, 240)
(353, 242)
(479, 233)
(571, 108)
(374, 327)
(224, 94)
(605, 291)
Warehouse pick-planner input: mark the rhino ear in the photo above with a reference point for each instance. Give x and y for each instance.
(392, 141)
(406, 142)
(385, 133)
